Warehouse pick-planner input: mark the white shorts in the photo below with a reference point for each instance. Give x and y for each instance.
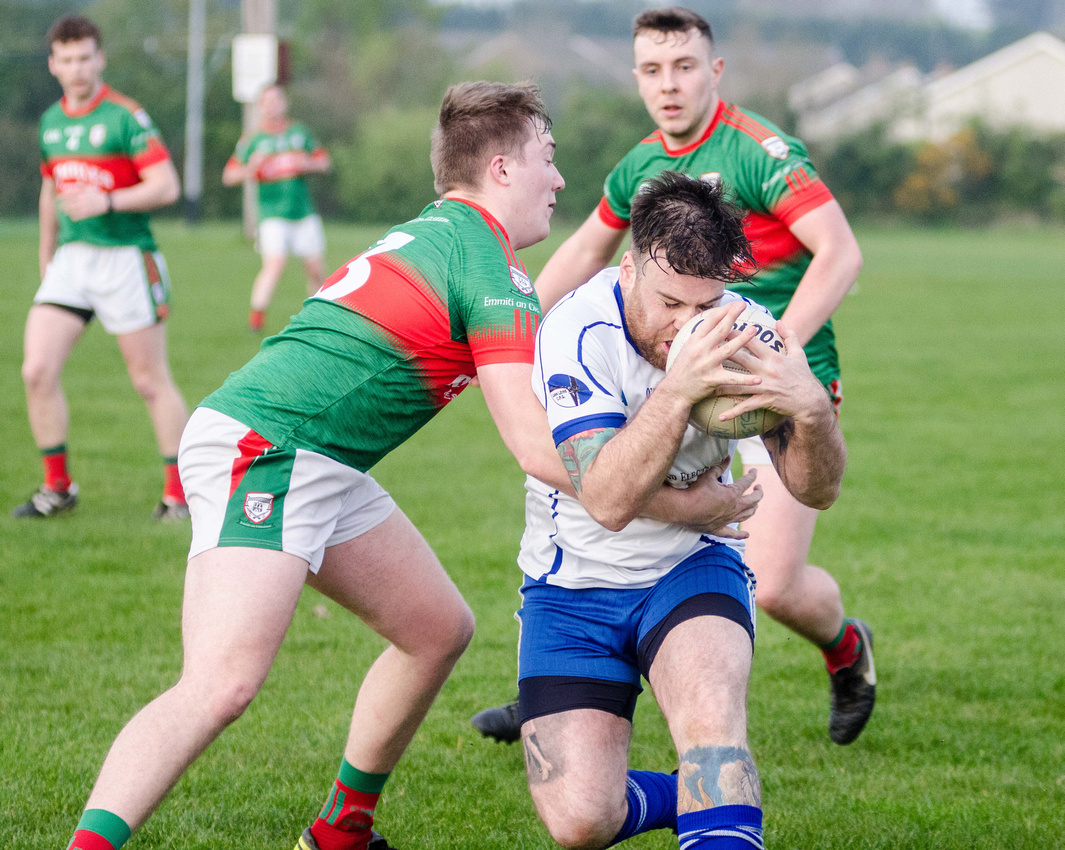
(752, 450)
(243, 491)
(279, 237)
(126, 287)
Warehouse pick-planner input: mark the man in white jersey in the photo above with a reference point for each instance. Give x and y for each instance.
(610, 596)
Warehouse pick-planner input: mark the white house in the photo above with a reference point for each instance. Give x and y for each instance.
(1022, 84)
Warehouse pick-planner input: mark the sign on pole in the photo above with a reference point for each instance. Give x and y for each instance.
(254, 65)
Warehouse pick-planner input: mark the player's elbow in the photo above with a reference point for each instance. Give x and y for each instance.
(612, 515)
(823, 498)
(857, 260)
(850, 259)
(821, 493)
(169, 191)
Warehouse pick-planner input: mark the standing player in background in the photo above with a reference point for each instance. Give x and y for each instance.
(104, 167)
(807, 260)
(278, 156)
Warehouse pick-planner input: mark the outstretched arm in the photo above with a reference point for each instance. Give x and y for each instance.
(522, 422)
(587, 252)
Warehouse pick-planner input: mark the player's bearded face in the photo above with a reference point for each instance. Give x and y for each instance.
(658, 302)
(649, 336)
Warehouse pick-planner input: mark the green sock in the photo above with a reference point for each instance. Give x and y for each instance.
(97, 826)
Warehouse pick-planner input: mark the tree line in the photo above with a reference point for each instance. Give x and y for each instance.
(368, 78)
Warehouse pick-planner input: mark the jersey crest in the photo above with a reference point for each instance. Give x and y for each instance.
(776, 147)
(521, 280)
(567, 391)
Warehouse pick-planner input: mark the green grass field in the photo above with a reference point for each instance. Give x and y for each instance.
(947, 538)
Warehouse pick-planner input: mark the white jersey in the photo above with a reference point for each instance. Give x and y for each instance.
(588, 374)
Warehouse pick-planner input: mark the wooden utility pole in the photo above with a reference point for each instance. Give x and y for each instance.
(256, 17)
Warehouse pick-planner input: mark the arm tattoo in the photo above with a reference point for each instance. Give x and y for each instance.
(580, 450)
(783, 433)
(717, 776)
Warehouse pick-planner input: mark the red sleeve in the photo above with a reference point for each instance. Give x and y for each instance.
(805, 195)
(153, 154)
(511, 343)
(608, 217)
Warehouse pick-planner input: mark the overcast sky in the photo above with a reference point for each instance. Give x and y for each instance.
(966, 13)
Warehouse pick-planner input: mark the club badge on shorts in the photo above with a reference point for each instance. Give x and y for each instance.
(258, 506)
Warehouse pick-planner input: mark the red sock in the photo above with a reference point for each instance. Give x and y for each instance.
(844, 650)
(55, 469)
(173, 492)
(344, 823)
(85, 839)
(256, 319)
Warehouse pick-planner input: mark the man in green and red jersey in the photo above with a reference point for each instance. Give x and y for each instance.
(807, 260)
(278, 156)
(104, 167)
(275, 464)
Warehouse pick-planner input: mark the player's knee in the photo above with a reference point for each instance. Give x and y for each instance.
(38, 375)
(228, 700)
(459, 631)
(150, 384)
(579, 830)
(776, 598)
(575, 820)
(441, 636)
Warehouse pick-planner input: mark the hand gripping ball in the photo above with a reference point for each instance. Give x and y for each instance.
(704, 414)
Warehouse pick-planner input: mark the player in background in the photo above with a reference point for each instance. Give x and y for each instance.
(277, 157)
(609, 597)
(103, 167)
(807, 258)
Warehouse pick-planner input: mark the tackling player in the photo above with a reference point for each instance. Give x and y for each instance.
(608, 596)
(275, 464)
(807, 259)
(103, 167)
(277, 157)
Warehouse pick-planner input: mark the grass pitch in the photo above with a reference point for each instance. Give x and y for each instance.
(947, 539)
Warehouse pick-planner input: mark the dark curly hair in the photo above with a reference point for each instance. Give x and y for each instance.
(690, 226)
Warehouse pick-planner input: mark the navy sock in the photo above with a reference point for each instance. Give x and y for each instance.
(722, 828)
(652, 799)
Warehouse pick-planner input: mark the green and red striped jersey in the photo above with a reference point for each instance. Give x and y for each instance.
(766, 173)
(283, 189)
(392, 336)
(105, 145)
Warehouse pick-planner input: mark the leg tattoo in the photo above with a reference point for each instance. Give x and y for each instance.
(717, 776)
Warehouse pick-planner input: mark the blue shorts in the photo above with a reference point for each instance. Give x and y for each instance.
(588, 648)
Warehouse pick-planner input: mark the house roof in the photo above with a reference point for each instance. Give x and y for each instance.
(995, 63)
